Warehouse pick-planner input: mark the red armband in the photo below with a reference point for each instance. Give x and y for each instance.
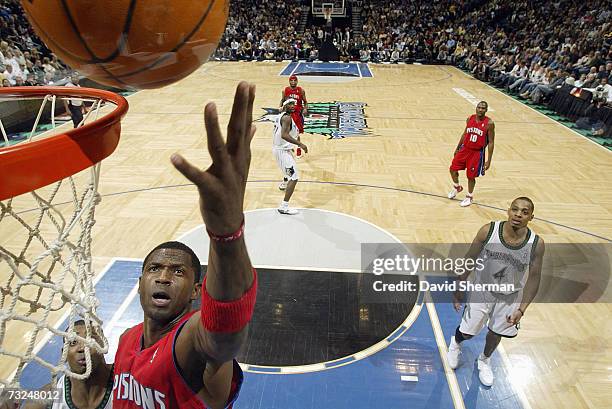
(232, 316)
(228, 237)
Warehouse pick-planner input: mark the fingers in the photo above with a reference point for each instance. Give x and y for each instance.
(251, 134)
(511, 320)
(237, 125)
(249, 114)
(216, 146)
(187, 169)
(249, 117)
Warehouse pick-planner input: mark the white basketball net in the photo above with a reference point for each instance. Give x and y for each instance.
(45, 264)
(327, 13)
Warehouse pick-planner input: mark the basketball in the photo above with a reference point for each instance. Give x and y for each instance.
(130, 44)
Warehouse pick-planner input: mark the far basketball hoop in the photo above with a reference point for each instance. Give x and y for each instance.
(328, 9)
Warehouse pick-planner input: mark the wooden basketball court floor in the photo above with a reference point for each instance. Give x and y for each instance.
(396, 178)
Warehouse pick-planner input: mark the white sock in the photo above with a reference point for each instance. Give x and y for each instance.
(284, 204)
(470, 195)
(456, 185)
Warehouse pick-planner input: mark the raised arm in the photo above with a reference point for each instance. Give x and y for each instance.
(213, 336)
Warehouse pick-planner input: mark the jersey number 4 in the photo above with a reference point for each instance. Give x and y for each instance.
(500, 274)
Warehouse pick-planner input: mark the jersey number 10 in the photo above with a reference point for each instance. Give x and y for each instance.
(473, 138)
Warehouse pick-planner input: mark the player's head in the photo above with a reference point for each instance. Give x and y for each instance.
(481, 108)
(520, 212)
(74, 77)
(76, 349)
(293, 80)
(289, 105)
(170, 281)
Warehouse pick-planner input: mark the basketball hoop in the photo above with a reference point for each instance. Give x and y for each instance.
(327, 12)
(36, 164)
(45, 250)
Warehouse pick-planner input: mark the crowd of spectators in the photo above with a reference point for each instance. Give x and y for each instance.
(264, 30)
(24, 59)
(528, 47)
(541, 47)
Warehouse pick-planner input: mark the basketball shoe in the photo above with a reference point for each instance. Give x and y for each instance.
(285, 209)
(454, 350)
(485, 373)
(453, 193)
(467, 201)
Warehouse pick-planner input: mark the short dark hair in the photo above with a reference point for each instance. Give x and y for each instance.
(525, 198)
(484, 102)
(177, 245)
(77, 322)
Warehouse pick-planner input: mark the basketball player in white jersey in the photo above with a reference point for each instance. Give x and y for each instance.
(95, 392)
(284, 139)
(511, 256)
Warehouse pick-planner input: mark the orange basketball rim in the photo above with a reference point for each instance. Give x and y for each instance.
(31, 165)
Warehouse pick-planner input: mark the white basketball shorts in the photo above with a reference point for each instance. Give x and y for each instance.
(286, 163)
(494, 313)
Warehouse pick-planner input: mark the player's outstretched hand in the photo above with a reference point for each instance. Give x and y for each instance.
(222, 185)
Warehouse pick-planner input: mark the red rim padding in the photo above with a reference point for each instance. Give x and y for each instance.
(32, 165)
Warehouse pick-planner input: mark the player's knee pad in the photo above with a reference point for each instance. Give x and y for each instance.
(460, 336)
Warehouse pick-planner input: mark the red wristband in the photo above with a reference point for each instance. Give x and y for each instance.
(228, 237)
(232, 316)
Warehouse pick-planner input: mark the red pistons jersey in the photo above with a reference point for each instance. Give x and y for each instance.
(149, 377)
(295, 93)
(476, 134)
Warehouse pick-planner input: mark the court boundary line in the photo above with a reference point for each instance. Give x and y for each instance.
(122, 308)
(582, 137)
(451, 377)
(295, 68)
(517, 388)
(280, 74)
(397, 189)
